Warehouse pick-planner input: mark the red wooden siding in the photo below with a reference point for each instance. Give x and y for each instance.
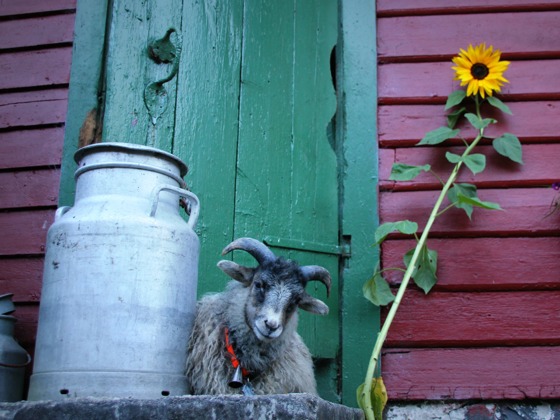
(35, 55)
(490, 328)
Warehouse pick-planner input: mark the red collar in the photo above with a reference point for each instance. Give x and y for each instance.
(233, 357)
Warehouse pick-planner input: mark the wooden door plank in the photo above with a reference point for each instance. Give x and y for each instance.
(129, 70)
(265, 130)
(287, 174)
(524, 211)
(405, 125)
(43, 147)
(402, 83)
(25, 232)
(32, 69)
(461, 374)
(313, 213)
(507, 263)
(207, 124)
(413, 38)
(476, 319)
(412, 7)
(540, 168)
(37, 188)
(22, 7)
(37, 31)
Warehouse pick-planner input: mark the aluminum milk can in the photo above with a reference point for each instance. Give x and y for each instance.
(13, 358)
(119, 283)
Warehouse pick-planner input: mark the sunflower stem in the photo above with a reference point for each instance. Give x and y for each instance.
(366, 392)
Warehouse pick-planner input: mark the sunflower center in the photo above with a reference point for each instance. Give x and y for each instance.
(479, 71)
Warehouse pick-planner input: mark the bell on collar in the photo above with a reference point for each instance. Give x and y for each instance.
(237, 380)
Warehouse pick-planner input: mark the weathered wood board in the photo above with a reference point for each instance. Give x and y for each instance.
(472, 373)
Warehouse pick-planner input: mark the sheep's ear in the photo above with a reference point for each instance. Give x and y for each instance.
(310, 304)
(237, 272)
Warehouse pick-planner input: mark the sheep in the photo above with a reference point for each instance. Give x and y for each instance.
(250, 328)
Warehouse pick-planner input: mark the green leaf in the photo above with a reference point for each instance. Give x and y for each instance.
(377, 290)
(475, 201)
(509, 146)
(452, 157)
(404, 226)
(478, 123)
(467, 190)
(475, 162)
(439, 135)
(455, 98)
(495, 102)
(424, 274)
(404, 172)
(378, 397)
(453, 117)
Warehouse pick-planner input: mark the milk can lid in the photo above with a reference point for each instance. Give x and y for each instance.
(129, 147)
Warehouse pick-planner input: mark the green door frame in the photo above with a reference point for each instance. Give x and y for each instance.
(356, 134)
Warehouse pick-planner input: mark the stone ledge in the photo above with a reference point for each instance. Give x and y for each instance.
(291, 406)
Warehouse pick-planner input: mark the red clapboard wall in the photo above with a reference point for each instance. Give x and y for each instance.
(490, 329)
(35, 53)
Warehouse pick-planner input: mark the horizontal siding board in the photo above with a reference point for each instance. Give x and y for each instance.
(541, 167)
(37, 31)
(23, 7)
(43, 95)
(32, 69)
(22, 276)
(433, 82)
(405, 125)
(483, 264)
(524, 211)
(31, 188)
(413, 37)
(412, 7)
(24, 232)
(462, 374)
(442, 319)
(33, 108)
(43, 147)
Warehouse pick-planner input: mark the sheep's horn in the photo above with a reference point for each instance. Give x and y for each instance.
(257, 249)
(317, 273)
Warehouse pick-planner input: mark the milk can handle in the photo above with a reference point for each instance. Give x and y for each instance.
(61, 211)
(17, 365)
(193, 201)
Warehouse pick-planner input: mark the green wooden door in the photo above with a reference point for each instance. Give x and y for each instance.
(251, 111)
(255, 102)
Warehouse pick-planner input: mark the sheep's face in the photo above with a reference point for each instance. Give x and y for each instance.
(275, 292)
(276, 288)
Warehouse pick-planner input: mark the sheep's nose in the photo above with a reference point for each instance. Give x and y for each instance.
(271, 324)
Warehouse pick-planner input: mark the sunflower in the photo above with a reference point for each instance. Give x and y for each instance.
(481, 69)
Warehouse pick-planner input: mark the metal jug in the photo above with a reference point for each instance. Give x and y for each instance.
(13, 358)
(119, 282)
